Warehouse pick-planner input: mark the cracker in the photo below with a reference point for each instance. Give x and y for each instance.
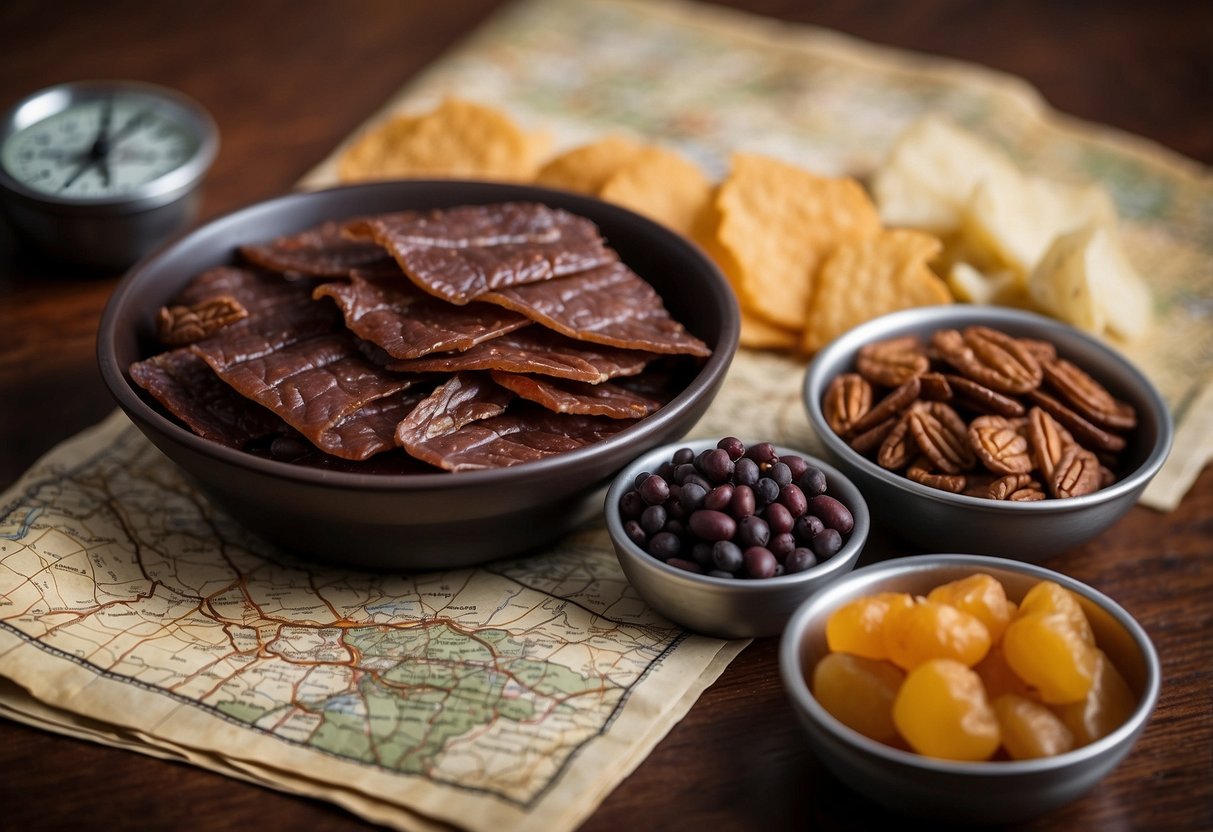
(662, 185)
(586, 168)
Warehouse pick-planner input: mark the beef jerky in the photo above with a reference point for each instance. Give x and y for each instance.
(563, 396)
(520, 434)
(261, 293)
(407, 323)
(535, 350)
(609, 305)
(460, 253)
(462, 399)
(188, 389)
(323, 251)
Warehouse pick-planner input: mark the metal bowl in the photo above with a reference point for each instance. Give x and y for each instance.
(985, 792)
(727, 607)
(426, 520)
(941, 521)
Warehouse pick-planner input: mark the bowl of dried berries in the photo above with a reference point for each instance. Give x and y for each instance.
(727, 537)
(417, 374)
(988, 430)
(966, 688)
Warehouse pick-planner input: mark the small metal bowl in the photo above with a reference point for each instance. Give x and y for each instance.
(963, 792)
(727, 607)
(1031, 531)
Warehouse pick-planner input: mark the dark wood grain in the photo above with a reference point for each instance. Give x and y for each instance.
(286, 82)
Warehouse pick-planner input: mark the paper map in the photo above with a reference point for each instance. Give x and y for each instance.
(516, 695)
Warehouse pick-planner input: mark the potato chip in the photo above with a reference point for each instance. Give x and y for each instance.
(776, 223)
(456, 139)
(1000, 288)
(586, 168)
(662, 185)
(868, 277)
(1085, 279)
(930, 174)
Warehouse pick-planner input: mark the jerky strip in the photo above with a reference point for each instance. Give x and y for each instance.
(561, 396)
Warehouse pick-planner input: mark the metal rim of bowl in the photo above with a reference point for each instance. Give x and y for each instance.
(840, 562)
(131, 401)
(894, 323)
(795, 683)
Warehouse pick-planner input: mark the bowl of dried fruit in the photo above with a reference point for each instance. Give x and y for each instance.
(417, 374)
(727, 537)
(968, 688)
(988, 430)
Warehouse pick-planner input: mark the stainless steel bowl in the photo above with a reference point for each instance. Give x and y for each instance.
(986, 792)
(725, 607)
(942, 521)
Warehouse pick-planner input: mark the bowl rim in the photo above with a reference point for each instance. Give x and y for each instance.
(840, 563)
(797, 687)
(847, 344)
(485, 192)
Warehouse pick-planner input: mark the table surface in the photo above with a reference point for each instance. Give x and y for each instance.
(286, 81)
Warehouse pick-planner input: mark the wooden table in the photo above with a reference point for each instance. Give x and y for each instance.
(286, 82)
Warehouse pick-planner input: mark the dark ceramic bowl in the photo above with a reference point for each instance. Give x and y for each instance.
(420, 520)
(1032, 531)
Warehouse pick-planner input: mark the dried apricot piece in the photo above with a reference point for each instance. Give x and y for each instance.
(1050, 654)
(1050, 596)
(979, 595)
(859, 693)
(942, 711)
(856, 626)
(931, 630)
(1029, 729)
(997, 675)
(1106, 707)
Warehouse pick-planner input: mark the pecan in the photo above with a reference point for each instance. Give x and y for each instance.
(989, 357)
(892, 404)
(1087, 396)
(1043, 350)
(871, 439)
(1090, 435)
(1077, 473)
(919, 472)
(980, 397)
(999, 446)
(1047, 439)
(898, 445)
(892, 362)
(942, 437)
(847, 399)
(180, 325)
(1027, 495)
(1003, 487)
(935, 387)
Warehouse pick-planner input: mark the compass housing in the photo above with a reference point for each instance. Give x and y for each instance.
(109, 230)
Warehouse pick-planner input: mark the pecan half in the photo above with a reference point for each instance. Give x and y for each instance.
(892, 362)
(980, 397)
(1077, 473)
(891, 405)
(1087, 396)
(1027, 495)
(1003, 487)
(871, 439)
(999, 446)
(989, 357)
(180, 325)
(898, 446)
(1047, 440)
(847, 400)
(1088, 434)
(942, 437)
(935, 387)
(919, 472)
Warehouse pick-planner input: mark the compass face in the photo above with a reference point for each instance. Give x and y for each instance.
(105, 147)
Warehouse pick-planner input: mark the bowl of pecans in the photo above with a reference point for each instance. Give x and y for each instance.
(987, 430)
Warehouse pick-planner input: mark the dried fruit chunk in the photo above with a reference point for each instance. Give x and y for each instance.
(892, 362)
(1048, 653)
(999, 446)
(856, 626)
(942, 711)
(981, 596)
(859, 693)
(847, 400)
(1105, 708)
(1052, 597)
(1029, 729)
(997, 676)
(934, 630)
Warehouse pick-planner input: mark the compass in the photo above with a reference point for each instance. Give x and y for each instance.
(101, 172)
